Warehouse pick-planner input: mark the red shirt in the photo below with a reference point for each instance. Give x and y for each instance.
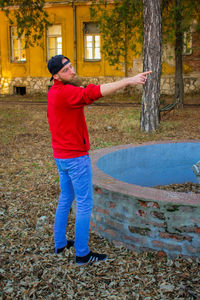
(66, 118)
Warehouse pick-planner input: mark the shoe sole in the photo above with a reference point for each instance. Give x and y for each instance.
(91, 262)
(63, 248)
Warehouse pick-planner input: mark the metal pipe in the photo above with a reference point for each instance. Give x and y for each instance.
(75, 39)
(196, 170)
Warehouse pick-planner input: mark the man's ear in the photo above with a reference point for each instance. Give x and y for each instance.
(56, 77)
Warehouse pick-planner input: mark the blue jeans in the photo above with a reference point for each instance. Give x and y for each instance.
(75, 181)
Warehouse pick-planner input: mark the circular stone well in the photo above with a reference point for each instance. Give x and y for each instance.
(130, 212)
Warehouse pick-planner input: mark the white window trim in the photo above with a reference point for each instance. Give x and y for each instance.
(185, 52)
(53, 36)
(93, 47)
(13, 37)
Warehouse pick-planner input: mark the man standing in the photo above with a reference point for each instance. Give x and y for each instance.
(70, 143)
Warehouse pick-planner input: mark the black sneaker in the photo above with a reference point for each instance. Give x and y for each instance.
(91, 257)
(70, 244)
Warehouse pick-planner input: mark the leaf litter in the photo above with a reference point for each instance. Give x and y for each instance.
(29, 192)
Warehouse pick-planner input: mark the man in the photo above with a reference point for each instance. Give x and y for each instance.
(70, 142)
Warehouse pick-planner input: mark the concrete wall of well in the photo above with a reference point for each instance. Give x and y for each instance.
(143, 218)
(141, 224)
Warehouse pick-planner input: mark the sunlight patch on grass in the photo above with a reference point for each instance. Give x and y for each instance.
(11, 120)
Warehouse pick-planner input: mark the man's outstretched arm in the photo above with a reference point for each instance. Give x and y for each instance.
(112, 87)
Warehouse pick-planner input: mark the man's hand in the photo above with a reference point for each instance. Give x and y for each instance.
(138, 79)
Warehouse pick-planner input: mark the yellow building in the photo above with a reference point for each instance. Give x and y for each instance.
(73, 34)
(24, 70)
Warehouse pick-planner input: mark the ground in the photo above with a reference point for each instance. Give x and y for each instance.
(29, 192)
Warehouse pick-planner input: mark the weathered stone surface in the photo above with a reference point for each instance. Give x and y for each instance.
(145, 218)
(35, 85)
(141, 231)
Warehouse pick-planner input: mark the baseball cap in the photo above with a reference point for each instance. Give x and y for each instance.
(55, 64)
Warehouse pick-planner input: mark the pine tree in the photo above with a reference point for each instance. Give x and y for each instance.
(151, 61)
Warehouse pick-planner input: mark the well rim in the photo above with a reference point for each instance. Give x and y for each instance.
(103, 180)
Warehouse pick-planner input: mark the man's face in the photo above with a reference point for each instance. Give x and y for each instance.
(66, 74)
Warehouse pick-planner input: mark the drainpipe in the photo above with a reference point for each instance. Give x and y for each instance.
(75, 40)
(196, 170)
(0, 68)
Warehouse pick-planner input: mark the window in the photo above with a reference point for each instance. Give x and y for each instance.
(18, 51)
(19, 90)
(187, 43)
(91, 41)
(54, 41)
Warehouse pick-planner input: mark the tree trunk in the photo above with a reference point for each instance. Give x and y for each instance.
(150, 116)
(179, 84)
(125, 52)
(127, 92)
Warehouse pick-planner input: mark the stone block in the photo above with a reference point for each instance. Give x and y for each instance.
(115, 225)
(110, 232)
(148, 204)
(101, 210)
(112, 205)
(98, 191)
(166, 246)
(198, 230)
(153, 224)
(141, 213)
(138, 240)
(97, 218)
(192, 250)
(176, 237)
(193, 229)
(158, 215)
(92, 224)
(140, 231)
(119, 216)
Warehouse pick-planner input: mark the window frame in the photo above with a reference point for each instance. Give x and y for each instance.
(85, 34)
(12, 38)
(185, 49)
(53, 36)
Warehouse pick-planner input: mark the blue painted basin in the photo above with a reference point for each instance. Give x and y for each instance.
(150, 165)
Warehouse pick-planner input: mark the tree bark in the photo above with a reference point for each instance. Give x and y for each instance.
(125, 52)
(152, 51)
(179, 84)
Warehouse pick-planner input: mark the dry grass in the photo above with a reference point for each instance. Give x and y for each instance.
(29, 192)
(116, 125)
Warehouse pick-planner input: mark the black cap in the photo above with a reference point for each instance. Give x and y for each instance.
(55, 64)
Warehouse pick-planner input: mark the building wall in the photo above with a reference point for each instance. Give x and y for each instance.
(33, 74)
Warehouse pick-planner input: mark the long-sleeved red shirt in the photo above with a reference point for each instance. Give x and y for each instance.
(66, 118)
